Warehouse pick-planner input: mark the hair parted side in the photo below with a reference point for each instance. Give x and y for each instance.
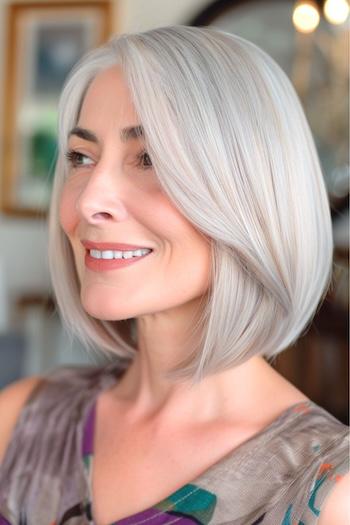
(232, 148)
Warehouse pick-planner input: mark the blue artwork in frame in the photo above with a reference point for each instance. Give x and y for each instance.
(45, 40)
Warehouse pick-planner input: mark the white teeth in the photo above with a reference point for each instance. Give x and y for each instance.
(110, 254)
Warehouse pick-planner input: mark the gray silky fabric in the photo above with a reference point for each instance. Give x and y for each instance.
(42, 470)
(280, 476)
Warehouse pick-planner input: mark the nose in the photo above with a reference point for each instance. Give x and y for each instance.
(101, 198)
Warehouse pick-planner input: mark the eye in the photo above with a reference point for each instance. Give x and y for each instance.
(75, 158)
(144, 160)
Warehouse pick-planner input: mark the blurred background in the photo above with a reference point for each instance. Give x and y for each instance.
(39, 43)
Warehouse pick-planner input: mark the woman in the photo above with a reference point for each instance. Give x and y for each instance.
(190, 239)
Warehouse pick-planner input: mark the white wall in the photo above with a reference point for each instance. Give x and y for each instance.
(23, 257)
(140, 15)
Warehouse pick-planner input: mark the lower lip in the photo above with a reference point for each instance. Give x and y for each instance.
(102, 265)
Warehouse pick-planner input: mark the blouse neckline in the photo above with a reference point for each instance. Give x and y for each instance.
(190, 489)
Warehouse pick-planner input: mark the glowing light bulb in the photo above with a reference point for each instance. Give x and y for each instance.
(306, 16)
(336, 11)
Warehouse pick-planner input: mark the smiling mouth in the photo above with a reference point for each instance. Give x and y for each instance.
(118, 254)
(97, 263)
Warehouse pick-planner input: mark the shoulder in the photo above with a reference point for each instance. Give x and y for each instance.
(12, 399)
(295, 463)
(30, 405)
(336, 507)
(322, 475)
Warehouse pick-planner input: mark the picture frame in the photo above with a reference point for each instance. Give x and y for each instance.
(44, 41)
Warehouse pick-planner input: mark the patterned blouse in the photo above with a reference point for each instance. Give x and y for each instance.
(279, 476)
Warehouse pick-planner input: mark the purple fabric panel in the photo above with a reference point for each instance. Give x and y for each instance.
(88, 433)
(158, 518)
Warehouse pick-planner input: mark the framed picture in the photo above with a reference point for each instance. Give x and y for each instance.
(44, 41)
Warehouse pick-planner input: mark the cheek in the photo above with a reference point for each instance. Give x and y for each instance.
(67, 211)
(186, 243)
(173, 226)
(166, 217)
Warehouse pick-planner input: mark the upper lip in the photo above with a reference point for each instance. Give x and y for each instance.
(91, 245)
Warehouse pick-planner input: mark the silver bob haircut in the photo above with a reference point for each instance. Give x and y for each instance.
(231, 146)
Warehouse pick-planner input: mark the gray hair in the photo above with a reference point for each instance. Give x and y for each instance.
(233, 150)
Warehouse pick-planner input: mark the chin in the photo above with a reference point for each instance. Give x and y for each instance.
(105, 316)
(104, 311)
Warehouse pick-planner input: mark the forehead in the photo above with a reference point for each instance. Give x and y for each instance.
(108, 96)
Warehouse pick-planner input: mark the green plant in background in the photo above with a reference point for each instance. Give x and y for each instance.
(43, 146)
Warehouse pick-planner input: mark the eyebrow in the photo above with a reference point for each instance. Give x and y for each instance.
(126, 134)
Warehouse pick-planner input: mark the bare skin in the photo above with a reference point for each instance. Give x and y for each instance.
(151, 432)
(131, 454)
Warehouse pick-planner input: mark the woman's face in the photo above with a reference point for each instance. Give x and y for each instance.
(112, 195)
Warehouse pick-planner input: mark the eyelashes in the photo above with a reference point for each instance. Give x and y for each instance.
(76, 159)
(144, 155)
